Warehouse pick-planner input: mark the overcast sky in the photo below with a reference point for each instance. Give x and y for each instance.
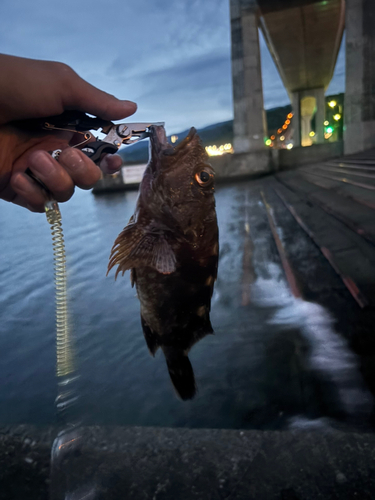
(170, 56)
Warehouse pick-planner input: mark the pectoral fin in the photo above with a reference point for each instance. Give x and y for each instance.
(162, 257)
(125, 243)
(134, 247)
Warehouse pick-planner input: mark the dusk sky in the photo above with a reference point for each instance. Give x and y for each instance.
(171, 57)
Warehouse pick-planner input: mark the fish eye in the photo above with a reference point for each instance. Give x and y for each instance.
(204, 178)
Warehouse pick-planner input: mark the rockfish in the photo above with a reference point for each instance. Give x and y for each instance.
(171, 247)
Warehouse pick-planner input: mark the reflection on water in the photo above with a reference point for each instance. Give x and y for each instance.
(274, 361)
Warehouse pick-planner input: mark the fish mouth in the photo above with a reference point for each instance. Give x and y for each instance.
(158, 137)
(159, 145)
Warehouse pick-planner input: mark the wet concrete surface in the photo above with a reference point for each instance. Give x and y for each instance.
(143, 463)
(337, 214)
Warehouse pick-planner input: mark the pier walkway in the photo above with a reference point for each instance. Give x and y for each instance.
(334, 203)
(322, 218)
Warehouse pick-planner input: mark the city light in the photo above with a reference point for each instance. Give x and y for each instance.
(312, 134)
(328, 132)
(268, 142)
(219, 150)
(289, 146)
(326, 123)
(337, 117)
(332, 104)
(174, 138)
(284, 127)
(282, 138)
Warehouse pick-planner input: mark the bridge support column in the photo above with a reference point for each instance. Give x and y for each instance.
(296, 107)
(359, 129)
(249, 123)
(306, 104)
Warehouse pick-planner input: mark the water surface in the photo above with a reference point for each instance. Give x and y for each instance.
(274, 362)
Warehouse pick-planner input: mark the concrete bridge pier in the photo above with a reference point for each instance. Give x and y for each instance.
(249, 123)
(306, 104)
(359, 130)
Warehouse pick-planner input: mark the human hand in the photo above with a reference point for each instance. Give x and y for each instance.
(36, 89)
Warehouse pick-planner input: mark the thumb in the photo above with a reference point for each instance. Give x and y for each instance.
(85, 97)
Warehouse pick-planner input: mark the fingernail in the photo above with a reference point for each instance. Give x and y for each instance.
(131, 103)
(130, 107)
(42, 164)
(110, 163)
(73, 159)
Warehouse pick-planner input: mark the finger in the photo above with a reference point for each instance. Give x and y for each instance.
(53, 175)
(83, 96)
(84, 173)
(28, 193)
(110, 164)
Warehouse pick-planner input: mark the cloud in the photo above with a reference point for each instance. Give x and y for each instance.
(173, 58)
(207, 71)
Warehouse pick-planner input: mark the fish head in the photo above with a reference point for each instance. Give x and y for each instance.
(180, 184)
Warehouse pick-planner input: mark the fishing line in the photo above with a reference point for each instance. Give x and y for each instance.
(64, 355)
(65, 366)
(69, 440)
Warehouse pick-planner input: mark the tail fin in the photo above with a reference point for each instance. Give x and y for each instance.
(181, 372)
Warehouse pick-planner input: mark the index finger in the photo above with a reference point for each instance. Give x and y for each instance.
(82, 96)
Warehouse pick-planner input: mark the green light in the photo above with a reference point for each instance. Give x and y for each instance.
(329, 130)
(268, 142)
